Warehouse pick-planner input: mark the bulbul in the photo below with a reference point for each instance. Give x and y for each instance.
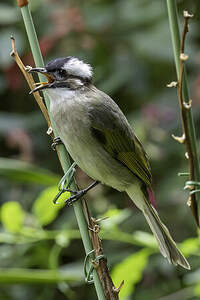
(100, 140)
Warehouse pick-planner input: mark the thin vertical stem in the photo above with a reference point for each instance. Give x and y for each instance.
(187, 117)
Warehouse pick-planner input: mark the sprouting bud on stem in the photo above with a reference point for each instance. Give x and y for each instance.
(180, 139)
(186, 14)
(50, 130)
(188, 105)
(172, 84)
(187, 155)
(183, 56)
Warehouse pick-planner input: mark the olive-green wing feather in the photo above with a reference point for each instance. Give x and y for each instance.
(111, 129)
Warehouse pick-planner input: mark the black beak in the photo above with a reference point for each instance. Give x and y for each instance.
(41, 85)
(38, 70)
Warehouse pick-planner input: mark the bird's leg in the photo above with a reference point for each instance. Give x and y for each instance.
(56, 141)
(78, 194)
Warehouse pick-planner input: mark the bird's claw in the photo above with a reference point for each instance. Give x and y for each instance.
(77, 195)
(56, 141)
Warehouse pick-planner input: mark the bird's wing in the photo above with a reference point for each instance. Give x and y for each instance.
(110, 127)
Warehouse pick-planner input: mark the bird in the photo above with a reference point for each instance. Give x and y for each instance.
(101, 142)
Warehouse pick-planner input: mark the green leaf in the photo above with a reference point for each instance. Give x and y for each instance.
(190, 246)
(44, 209)
(130, 270)
(197, 290)
(12, 216)
(24, 172)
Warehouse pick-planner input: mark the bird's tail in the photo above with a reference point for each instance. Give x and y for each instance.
(166, 243)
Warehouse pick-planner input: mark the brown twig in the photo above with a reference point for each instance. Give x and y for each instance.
(111, 292)
(30, 81)
(185, 107)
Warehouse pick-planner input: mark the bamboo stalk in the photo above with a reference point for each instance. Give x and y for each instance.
(63, 155)
(189, 134)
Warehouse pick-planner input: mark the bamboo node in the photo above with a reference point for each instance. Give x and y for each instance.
(12, 53)
(95, 263)
(95, 229)
(180, 139)
(50, 130)
(187, 155)
(186, 14)
(187, 105)
(117, 290)
(27, 68)
(189, 202)
(172, 84)
(184, 56)
(188, 187)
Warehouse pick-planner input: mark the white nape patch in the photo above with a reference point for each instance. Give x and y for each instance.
(77, 67)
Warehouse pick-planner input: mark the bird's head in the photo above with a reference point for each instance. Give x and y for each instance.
(58, 71)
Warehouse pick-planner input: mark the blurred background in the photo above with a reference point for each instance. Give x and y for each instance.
(128, 43)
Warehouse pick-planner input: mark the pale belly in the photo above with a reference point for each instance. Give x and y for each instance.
(96, 162)
(74, 130)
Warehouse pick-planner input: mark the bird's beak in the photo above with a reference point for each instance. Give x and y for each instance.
(42, 85)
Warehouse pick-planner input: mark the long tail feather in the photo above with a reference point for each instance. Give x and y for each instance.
(166, 243)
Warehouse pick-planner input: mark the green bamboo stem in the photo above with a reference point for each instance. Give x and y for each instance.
(64, 157)
(175, 35)
(18, 275)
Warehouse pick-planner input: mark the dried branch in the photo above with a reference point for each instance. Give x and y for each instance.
(185, 107)
(185, 104)
(111, 292)
(30, 81)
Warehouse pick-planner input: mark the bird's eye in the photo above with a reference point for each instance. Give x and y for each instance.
(62, 73)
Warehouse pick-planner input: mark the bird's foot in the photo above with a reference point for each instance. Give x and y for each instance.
(78, 194)
(56, 141)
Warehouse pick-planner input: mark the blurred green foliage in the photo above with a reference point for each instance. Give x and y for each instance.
(12, 216)
(128, 44)
(130, 269)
